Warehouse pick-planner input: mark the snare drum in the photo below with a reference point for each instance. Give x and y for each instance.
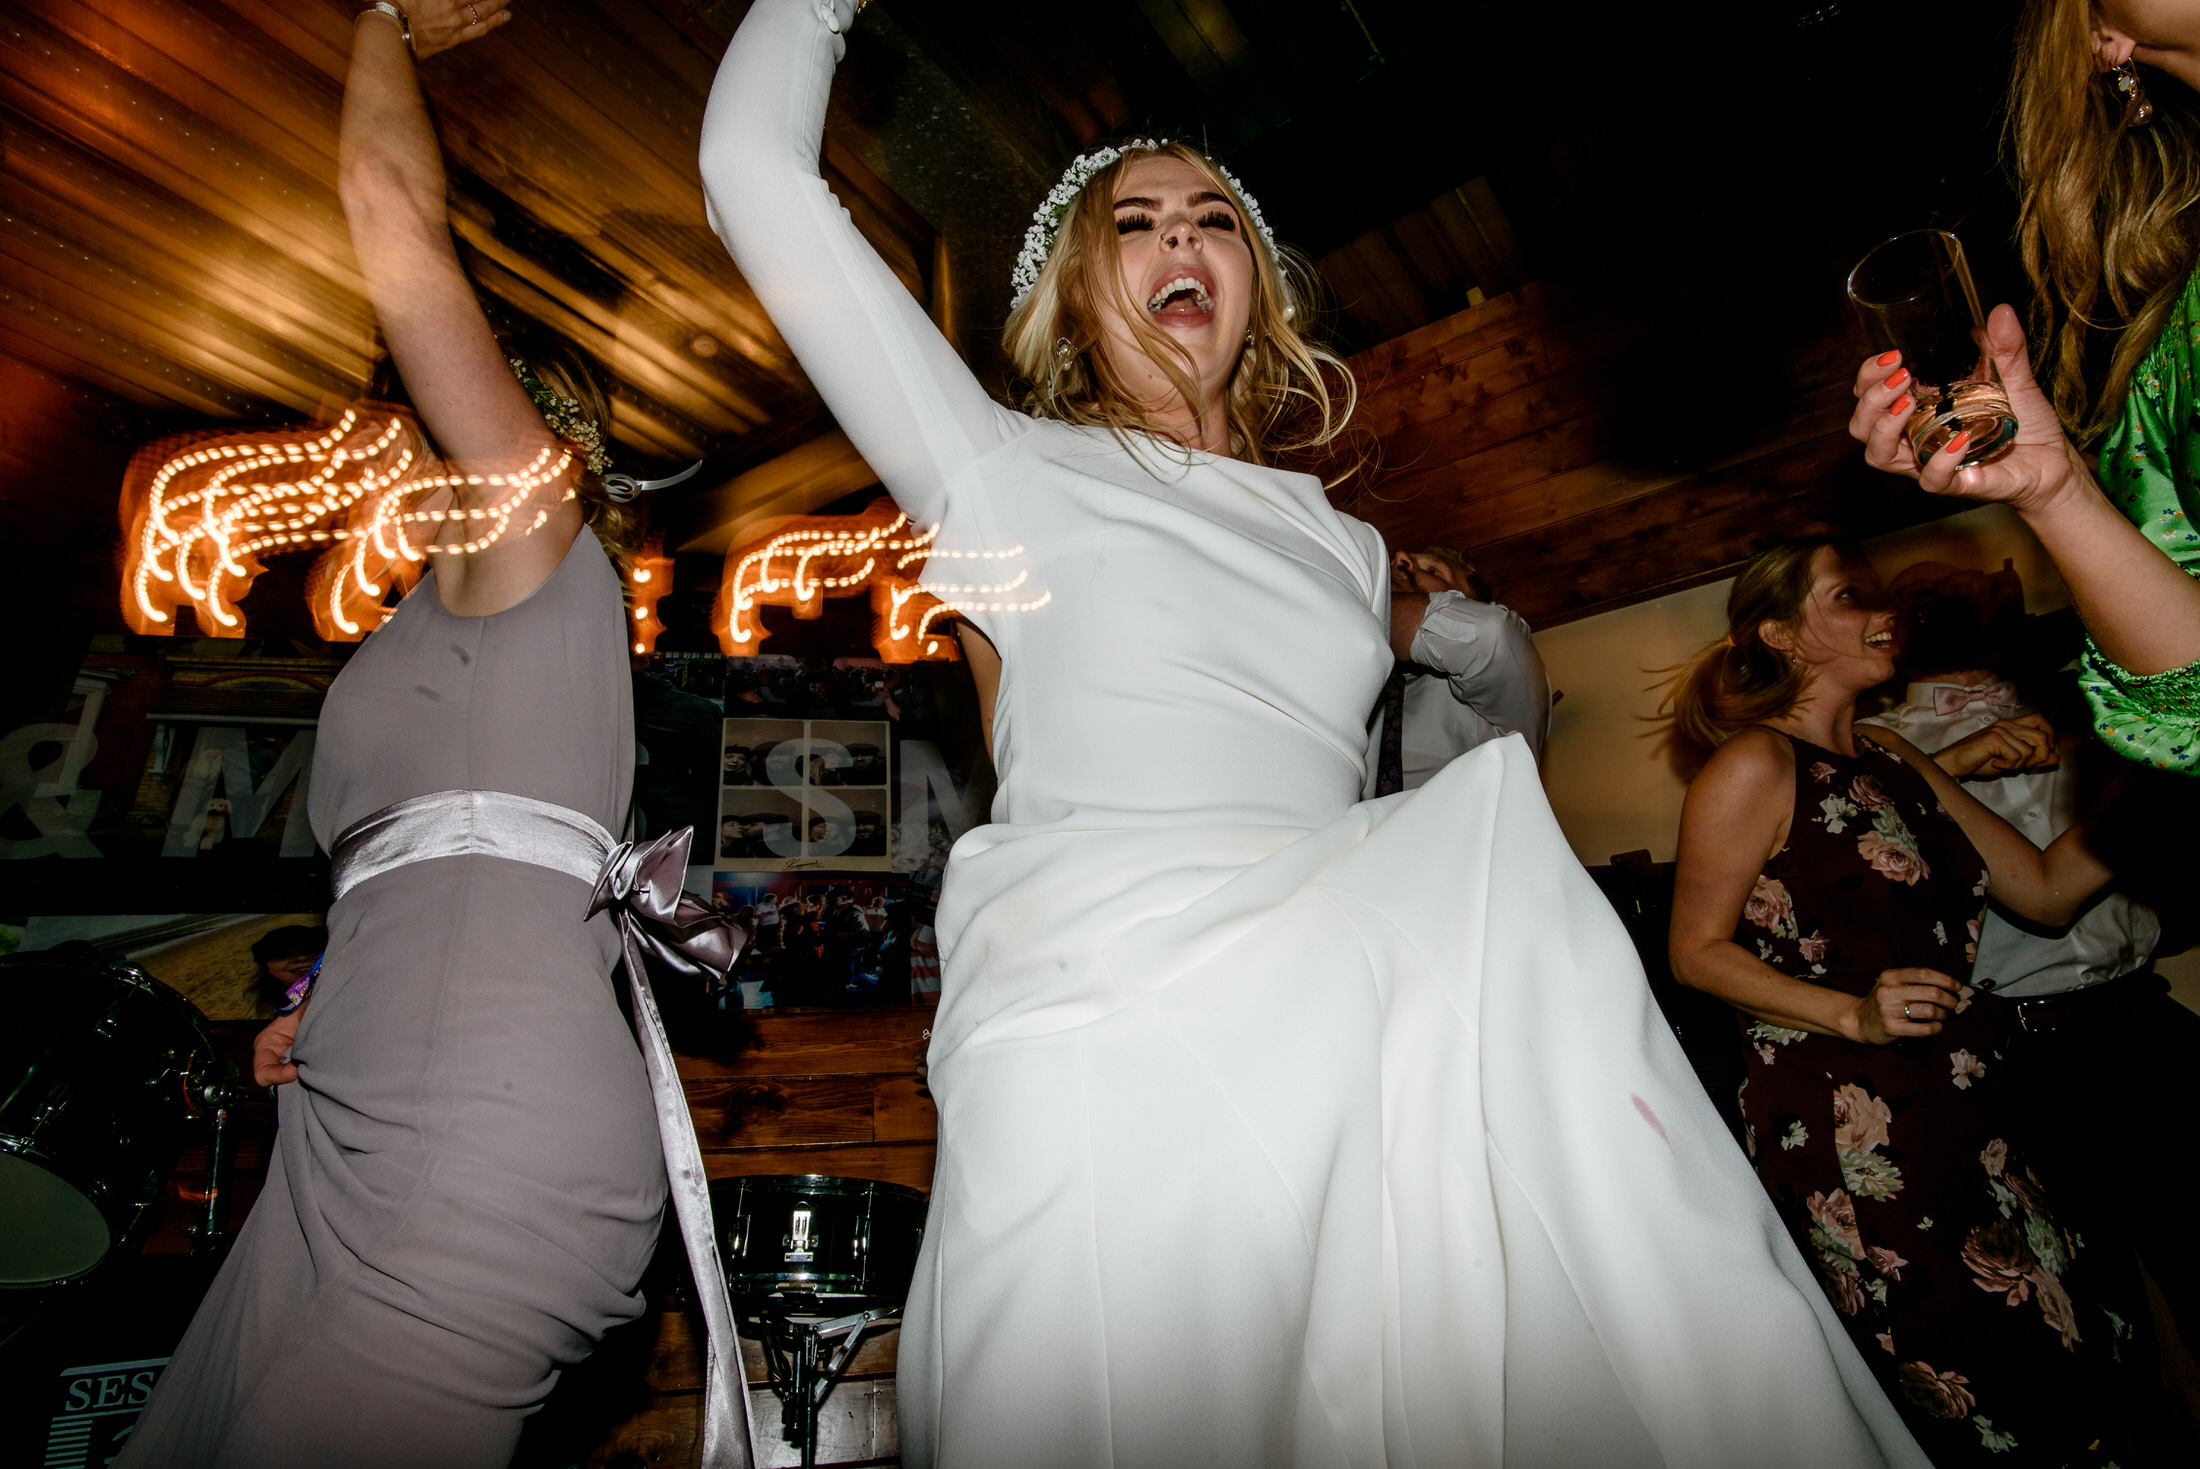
(102, 1072)
(847, 1238)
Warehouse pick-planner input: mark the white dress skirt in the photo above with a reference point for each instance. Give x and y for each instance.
(1277, 1127)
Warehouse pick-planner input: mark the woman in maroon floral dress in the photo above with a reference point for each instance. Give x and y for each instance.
(1830, 887)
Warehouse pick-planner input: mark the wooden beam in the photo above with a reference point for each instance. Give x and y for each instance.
(1699, 530)
(797, 482)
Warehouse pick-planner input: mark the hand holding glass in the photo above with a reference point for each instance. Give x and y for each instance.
(1915, 296)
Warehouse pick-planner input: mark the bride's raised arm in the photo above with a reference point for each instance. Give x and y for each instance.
(908, 403)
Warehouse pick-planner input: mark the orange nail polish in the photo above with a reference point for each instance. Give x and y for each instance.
(1899, 406)
(1889, 359)
(1898, 377)
(1955, 445)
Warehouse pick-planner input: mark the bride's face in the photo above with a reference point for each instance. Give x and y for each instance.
(1188, 265)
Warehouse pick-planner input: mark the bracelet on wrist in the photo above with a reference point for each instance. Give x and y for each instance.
(300, 989)
(384, 7)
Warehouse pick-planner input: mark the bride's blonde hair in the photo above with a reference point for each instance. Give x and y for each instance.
(1288, 395)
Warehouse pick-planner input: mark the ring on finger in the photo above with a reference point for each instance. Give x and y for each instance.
(1905, 1009)
(473, 16)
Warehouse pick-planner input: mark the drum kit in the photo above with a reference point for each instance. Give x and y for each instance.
(813, 1264)
(105, 1074)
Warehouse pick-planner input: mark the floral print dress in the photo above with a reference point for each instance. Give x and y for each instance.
(1895, 1167)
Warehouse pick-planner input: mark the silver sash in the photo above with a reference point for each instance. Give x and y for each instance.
(660, 927)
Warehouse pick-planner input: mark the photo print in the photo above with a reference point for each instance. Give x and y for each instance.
(820, 939)
(806, 794)
(757, 828)
(749, 744)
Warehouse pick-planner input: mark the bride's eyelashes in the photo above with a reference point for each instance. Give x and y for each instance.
(1219, 220)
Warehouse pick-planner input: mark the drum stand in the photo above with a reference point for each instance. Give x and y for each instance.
(803, 1372)
(216, 1099)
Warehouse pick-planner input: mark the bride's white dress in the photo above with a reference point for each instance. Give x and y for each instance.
(1277, 1128)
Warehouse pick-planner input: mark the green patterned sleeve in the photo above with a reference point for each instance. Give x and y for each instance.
(2149, 465)
(2152, 718)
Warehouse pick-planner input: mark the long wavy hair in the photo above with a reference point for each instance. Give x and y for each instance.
(1741, 679)
(1289, 395)
(2105, 217)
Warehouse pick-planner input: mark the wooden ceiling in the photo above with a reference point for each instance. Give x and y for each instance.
(1691, 179)
(174, 236)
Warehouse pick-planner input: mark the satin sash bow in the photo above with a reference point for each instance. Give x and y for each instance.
(660, 927)
(659, 921)
(641, 885)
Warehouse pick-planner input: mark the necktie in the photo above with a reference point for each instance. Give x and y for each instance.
(1389, 762)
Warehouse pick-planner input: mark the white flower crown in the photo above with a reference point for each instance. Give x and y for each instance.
(1046, 220)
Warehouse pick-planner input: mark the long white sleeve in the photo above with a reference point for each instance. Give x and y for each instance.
(907, 402)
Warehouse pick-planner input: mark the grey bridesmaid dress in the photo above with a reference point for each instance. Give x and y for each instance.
(467, 1182)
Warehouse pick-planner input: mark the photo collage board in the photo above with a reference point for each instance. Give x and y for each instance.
(829, 793)
(799, 794)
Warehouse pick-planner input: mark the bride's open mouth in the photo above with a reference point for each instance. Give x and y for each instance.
(1185, 296)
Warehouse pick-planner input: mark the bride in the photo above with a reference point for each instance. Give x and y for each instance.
(1276, 1127)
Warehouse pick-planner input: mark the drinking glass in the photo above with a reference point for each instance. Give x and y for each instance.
(1915, 295)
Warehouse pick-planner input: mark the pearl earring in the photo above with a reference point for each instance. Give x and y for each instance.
(2138, 111)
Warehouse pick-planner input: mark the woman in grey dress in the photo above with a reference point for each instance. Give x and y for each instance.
(467, 1183)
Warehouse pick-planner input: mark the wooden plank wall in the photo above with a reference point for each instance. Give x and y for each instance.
(1591, 450)
(833, 1092)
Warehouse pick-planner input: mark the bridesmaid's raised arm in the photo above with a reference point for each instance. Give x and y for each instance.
(908, 403)
(390, 177)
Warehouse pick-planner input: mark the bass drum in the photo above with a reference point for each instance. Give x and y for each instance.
(103, 1070)
(849, 1239)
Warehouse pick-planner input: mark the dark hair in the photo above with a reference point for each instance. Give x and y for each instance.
(1741, 679)
(1478, 585)
(1948, 629)
(288, 942)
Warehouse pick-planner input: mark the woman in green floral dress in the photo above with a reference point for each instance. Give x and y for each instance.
(2109, 174)
(1830, 887)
